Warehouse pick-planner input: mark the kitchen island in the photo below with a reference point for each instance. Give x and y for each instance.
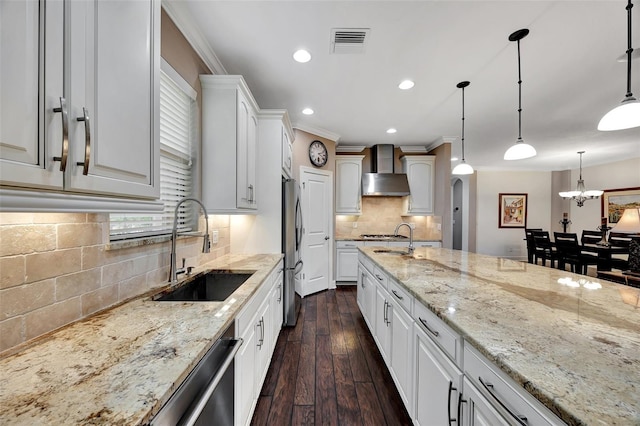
(120, 366)
(570, 341)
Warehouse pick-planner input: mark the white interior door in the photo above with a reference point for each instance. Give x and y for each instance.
(317, 207)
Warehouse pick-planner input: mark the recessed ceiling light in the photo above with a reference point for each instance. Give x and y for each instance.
(454, 158)
(302, 56)
(307, 111)
(391, 130)
(406, 84)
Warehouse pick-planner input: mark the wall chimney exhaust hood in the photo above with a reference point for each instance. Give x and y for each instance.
(383, 181)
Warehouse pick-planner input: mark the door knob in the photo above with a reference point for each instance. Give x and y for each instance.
(326, 238)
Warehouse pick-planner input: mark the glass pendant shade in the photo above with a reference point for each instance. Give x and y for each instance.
(624, 116)
(629, 223)
(520, 151)
(462, 169)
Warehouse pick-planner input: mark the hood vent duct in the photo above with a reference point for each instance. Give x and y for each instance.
(383, 181)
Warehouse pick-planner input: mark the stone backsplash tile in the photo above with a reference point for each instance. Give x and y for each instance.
(99, 299)
(11, 332)
(12, 271)
(52, 264)
(26, 239)
(79, 235)
(52, 317)
(16, 301)
(76, 284)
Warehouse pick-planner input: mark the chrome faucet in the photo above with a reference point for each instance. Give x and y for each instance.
(206, 245)
(395, 234)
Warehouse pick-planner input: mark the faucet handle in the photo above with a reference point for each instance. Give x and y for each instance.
(183, 262)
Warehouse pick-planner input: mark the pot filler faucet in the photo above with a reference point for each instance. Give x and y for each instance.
(395, 234)
(206, 245)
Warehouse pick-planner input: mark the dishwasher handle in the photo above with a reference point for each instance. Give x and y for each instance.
(192, 417)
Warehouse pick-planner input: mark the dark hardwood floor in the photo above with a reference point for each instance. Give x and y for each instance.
(327, 370)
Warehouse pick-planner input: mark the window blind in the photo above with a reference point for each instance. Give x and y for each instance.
(177, 139)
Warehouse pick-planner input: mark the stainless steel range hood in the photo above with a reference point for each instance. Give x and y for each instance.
(383, 181)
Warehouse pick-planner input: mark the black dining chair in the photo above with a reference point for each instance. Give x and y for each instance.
(590, 238)
(531, 246)
(544, 249)
(570, 252)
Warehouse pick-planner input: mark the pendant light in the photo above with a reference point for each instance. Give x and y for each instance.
(627, 114)
(519, 150)
(463, 168)
(580, 194)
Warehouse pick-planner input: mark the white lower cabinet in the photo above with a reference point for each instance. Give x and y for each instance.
(438, 383)
(258, 324)
(347, 260)
(425, 357)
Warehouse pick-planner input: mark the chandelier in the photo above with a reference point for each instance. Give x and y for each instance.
(581, 194)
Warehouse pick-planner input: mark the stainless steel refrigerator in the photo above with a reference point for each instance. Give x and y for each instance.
(292, 230)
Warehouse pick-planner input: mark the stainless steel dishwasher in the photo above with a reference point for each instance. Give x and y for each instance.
(206, 395)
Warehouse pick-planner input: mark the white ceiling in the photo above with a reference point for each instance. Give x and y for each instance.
(570, 73)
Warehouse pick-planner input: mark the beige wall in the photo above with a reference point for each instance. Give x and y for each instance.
(442, 191)
(59, 268)
(301, 143)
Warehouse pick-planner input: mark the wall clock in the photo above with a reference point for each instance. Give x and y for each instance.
(318, 154)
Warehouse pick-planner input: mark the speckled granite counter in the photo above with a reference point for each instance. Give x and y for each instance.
(574, 345)
(121, 366)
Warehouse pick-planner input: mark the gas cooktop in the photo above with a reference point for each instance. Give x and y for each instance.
(381, 236)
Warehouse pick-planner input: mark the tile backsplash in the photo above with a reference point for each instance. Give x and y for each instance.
(381, 215)
(59, 268)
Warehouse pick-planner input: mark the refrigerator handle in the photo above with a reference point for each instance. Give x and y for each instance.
(299, 226)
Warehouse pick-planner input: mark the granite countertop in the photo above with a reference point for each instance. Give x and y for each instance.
(119, 367)
(572, 341)
(403, 239)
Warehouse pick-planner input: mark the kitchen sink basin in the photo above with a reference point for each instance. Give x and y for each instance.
(212, 286)
(387, 251)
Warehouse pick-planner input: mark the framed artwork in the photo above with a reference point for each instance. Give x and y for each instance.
(614, 201)
(512, 210)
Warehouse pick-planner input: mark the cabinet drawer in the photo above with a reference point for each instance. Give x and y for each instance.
(348, 244)
(245, 317)
(401, 296)
(504, 394)
(441, 333)
(380, 277)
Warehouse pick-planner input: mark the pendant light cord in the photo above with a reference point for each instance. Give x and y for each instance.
(463, 124)
(519, 96)
(629, 49)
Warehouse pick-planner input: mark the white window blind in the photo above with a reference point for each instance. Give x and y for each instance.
(178, 121)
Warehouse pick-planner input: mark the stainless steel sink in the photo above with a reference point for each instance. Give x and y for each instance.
(212, 286)
(388, 251)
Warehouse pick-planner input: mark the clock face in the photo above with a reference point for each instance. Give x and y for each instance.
(318, 154)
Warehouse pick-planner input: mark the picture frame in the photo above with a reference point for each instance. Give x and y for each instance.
(614, 201)
(512, 210)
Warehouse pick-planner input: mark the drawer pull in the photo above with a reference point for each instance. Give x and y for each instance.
(451, 388)
(379, 277)
(520, 419)
(397, 295)
(424, 323)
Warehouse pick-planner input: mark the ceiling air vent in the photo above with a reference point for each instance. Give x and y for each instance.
(349, 40)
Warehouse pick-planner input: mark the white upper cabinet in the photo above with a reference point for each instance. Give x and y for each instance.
(79, 87)
(348, 184)
(287, 151)
(420, 170)
(229, 145)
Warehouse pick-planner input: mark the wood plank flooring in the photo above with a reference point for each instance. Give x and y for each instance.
(327, 370)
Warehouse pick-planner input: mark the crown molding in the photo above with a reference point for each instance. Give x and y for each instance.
(318, 132)
(350, 148)
(412, 148)
(182, 18)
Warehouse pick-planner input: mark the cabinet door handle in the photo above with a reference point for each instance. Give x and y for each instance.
(250, 200)
(424, 323)
(260, 339)
(65, 134)
(87, 141)
(520, 419)
(460, 402)
(386, 313)
(451, 388)
(362, 280)
(397, 295)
